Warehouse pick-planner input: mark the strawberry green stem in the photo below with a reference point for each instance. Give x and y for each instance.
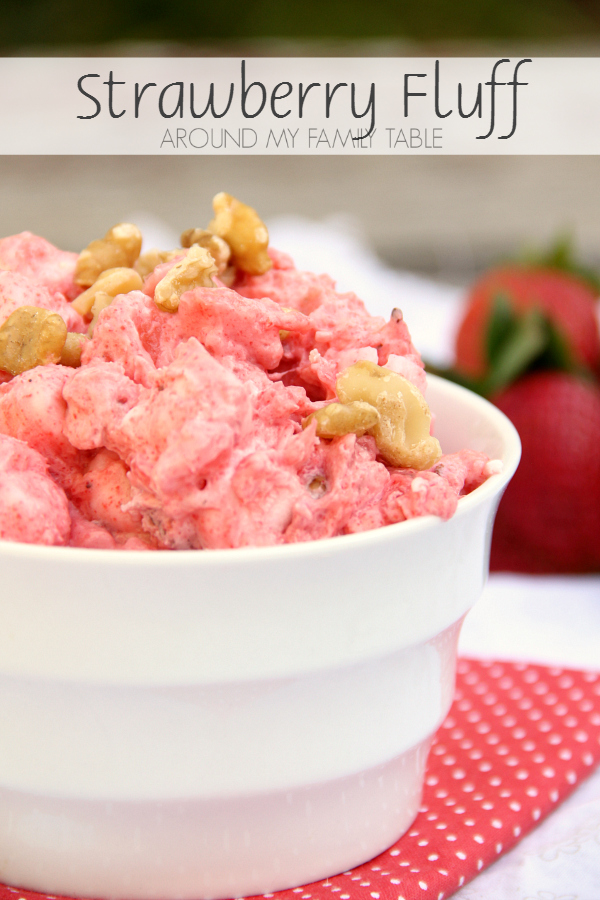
(522, 344)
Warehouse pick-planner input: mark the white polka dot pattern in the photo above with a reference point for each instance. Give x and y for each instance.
(516, 742)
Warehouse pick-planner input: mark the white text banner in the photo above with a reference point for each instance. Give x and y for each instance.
(304, 106)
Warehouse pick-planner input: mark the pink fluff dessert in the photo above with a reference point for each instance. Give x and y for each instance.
(211, 397)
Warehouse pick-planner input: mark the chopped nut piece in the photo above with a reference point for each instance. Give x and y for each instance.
(337, 419)
(402, 433)
(228, 276)
(31, 337)
(216, 246)
(283, 332)
(193, 236)
(196, 270)
(113, 282)
(71, 352)
(152, 258)
(244, 231)
(101, 301)
(317, 486)
(120, 247)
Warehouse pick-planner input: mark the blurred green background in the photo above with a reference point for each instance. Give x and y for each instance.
(44, 23)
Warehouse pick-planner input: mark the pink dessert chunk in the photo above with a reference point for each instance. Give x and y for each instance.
(187, 429)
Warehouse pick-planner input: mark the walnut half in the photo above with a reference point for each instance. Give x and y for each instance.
(31, 337)
(337, 419)
(195, 270)
(120, 247)
(245, 232)
(401, 427)
(111, 281)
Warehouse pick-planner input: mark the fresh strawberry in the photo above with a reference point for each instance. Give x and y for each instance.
(530, 342)
(566, 300)
(549, 517)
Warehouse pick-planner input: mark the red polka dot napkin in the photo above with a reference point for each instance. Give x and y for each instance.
(516, 742)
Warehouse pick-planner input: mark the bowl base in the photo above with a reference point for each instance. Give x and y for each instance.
(216, 848)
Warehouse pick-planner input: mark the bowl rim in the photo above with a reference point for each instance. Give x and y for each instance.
(323, 546)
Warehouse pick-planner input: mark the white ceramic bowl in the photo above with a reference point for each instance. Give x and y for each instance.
(225, 723)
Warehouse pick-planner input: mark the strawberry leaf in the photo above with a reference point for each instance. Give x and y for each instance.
(524, 343)
(556, 354)
(517, 343)
(502, 323)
